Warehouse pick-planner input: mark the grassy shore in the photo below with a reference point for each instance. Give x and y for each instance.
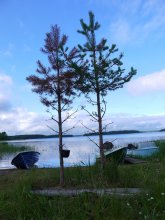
(17, 202)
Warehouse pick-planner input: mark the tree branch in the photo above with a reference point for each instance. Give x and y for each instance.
(89, 100)
(105, 108)
(90, 114)
(93, 141)
(64, 132)
(69, 116)
(89, 129)
(105, 127)
(52, 117)
(53, 129)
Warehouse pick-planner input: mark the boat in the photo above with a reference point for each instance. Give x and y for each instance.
(143, 152)
(145, 149)
(25, 160)
(116, 154)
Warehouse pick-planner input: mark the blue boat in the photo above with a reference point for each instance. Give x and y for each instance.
(25, 160)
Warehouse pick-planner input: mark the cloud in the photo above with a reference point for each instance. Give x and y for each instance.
(5, 92)
(22, 121)
(123, 121)
(136, 20)
(5, 79)
(138, 122)
(149, 83)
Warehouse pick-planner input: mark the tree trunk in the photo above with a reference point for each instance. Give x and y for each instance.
(99, 113)
(60, 129)
(60, 143)
(100, 131)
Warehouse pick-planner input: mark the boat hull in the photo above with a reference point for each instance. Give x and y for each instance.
(25, 160)
(115, 154)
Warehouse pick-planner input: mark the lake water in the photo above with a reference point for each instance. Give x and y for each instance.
(82, 150)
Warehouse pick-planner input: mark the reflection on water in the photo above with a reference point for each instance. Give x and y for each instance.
(82, 150)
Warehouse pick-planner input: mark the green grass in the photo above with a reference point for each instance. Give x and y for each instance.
(6, 148)
(16, 201)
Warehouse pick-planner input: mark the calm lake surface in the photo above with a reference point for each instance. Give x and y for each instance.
(82, 150)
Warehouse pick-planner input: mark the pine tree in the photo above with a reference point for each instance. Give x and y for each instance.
(103, 73)
(55, 83)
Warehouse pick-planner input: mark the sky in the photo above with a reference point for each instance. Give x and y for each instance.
(136, 27)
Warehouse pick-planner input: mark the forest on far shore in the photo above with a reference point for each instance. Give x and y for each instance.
(5, 137)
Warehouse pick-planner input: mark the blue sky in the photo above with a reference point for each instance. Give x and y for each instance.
(138, 29)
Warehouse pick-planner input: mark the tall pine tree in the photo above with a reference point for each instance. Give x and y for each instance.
(55, 83)
(103, 73)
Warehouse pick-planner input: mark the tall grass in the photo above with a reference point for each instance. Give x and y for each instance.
(6, 148)
(17, 202)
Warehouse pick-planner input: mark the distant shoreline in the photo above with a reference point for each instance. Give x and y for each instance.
(40, 136)
(114, 132)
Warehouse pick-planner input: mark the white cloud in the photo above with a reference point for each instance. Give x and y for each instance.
(148, 83)
(137, 19)
(5, 79)
(138, 122)
(22, 121)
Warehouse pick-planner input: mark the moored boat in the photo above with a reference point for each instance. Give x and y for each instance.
(143, 149)
(116, 154)
(25, 160)
(143, 152)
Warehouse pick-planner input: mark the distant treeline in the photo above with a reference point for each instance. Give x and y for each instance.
(114, 132)
(28, 136)
(3, 136)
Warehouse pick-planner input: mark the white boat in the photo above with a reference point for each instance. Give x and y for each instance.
(144, 150)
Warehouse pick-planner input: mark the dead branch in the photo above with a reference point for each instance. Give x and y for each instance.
(89, 129)
(93, 141)
(105, 127)
(90, 114)
(53, 129)
(114, 140)
(52, 117)
(69, 116)
(64, 132)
